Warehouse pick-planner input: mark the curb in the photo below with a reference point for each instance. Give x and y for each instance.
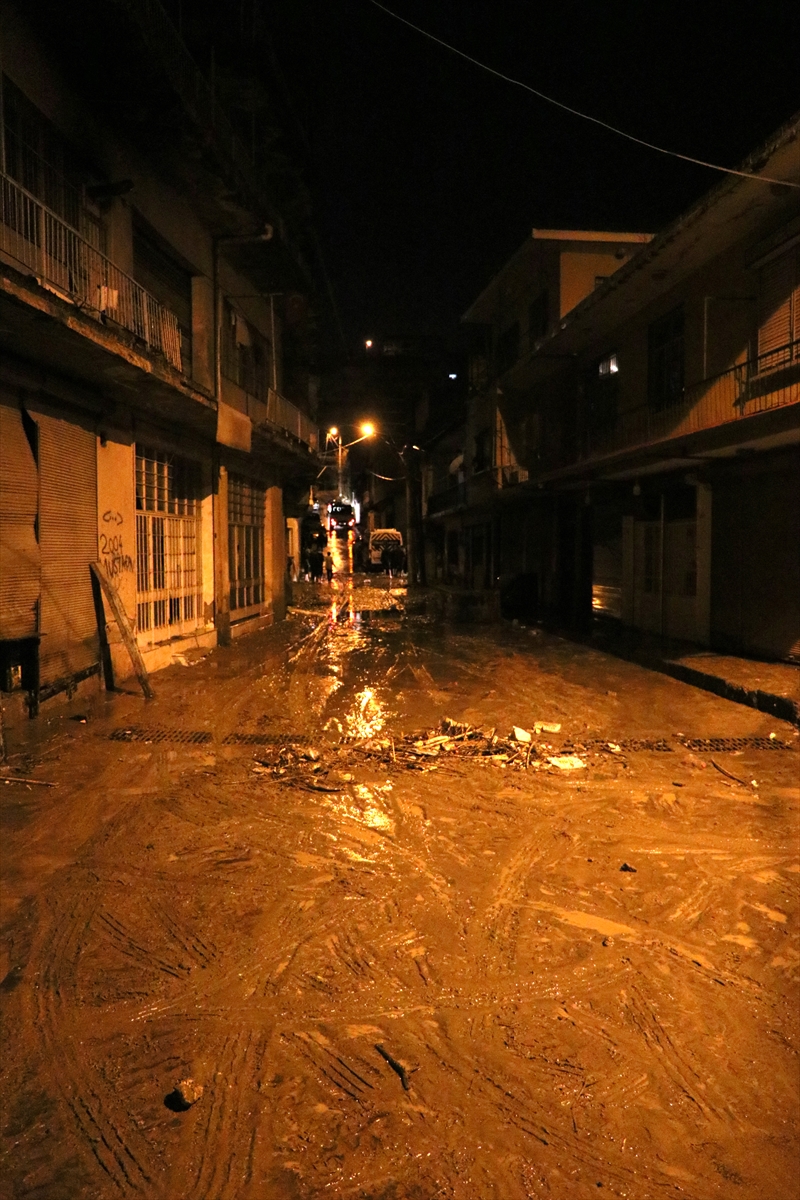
(766, 702)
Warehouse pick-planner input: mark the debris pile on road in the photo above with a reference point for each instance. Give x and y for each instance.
(451, 742)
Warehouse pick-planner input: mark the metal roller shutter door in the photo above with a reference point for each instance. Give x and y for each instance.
(68, 543)
(19, 549)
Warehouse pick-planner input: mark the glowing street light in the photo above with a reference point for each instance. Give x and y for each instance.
(368, 344)
(366, 429)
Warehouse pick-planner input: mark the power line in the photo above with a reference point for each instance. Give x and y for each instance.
(700, 162)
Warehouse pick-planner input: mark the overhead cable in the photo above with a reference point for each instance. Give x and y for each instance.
(699, 162)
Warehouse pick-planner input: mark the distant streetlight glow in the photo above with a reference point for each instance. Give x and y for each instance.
(368, 343)
(452, 375)
(333, 432)
(367, 429)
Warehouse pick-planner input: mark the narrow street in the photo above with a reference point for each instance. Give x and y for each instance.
(401, 967)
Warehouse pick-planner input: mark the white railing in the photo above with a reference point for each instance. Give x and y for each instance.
(285, 415)
(35, 237)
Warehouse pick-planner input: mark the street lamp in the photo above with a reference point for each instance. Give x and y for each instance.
(366, 429)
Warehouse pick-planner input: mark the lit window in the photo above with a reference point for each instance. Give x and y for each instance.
(452, 375)
(608, 365)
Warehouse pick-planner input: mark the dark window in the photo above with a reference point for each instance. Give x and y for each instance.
(601, 388)
(39, 159)
(507, 351)
(159, 272)
(452, 548)
(483, 451)
(537, 317)
(245, 353)
(665, 360)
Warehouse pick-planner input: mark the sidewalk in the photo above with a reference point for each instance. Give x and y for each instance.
(770, 687)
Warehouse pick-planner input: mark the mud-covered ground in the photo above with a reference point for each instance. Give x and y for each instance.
(401, 973)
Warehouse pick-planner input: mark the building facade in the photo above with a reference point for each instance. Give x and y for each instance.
(146, 290)
(657, 422)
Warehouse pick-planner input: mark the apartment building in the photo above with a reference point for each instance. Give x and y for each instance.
(147, 290)
(474, 473)
(658, 422)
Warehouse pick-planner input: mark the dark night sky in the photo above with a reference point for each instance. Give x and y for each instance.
(426, 173)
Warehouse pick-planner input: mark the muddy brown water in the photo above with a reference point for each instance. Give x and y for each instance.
(415, 983)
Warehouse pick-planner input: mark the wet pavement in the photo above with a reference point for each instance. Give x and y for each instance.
(399, 959)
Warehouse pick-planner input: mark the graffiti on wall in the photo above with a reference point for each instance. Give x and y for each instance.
(112, 547)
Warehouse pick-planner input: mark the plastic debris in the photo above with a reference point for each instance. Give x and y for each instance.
(566, 762)
(628, 867)
(522, 735)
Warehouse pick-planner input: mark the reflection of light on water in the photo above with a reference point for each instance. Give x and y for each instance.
(373, 817)
(367, 717)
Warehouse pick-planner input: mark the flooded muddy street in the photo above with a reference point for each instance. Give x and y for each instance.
(401, 951)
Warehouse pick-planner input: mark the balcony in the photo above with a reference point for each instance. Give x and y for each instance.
(480, 487)
(34, 238)
(759, 385)
(283, 415)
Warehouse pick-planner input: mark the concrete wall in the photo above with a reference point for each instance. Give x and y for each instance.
(116, 530)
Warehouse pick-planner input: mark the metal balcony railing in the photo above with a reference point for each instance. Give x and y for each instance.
(287, 416)
(770, 381)
(32, 235)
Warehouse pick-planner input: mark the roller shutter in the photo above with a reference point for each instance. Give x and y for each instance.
(68, 543)
(779, 311)
(19, 549)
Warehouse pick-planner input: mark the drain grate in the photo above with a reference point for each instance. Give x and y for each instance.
(136, 733)
(265, 739)
(661, 745)
(715, 745)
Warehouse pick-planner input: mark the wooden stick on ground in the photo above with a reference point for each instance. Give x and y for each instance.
(21, 779)
(123, 624)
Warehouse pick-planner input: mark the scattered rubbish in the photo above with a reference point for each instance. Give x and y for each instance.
(522, 735)
(614, 748)
(184, 1095)
(22, 779)
(675, 783)
(628, 867)
(396, 1066)
(566, 762)
(546, 727)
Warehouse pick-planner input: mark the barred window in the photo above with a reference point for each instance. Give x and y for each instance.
(166, 483)
(246, 507)
(168, 576)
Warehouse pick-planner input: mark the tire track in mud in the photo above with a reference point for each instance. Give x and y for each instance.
(104, 1127)
(227, 1136)
(676, 1068)
(334, 1068)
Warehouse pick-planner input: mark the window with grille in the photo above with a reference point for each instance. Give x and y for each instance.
(168, 576)
(246, 506)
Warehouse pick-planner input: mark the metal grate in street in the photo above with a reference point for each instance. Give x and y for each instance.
(659, 745)
(264, 739)
(715, 745)
(137, 733)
